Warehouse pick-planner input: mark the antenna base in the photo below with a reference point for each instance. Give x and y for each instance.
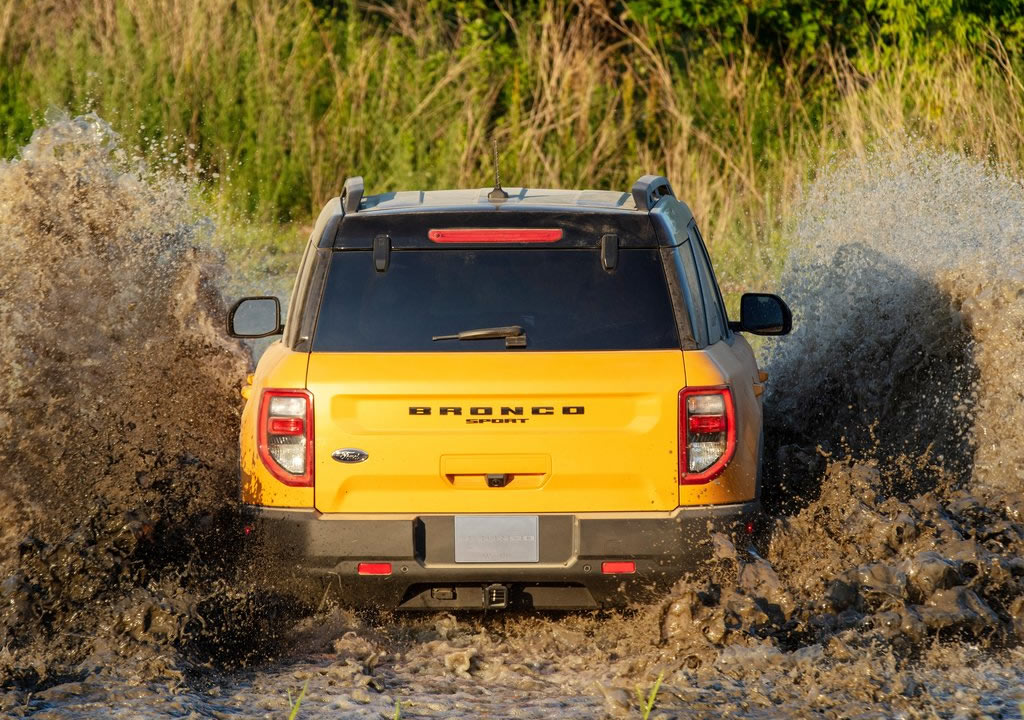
(497, 194)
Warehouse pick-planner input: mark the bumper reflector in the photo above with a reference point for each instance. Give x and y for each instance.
(623, 567)
(374, 568)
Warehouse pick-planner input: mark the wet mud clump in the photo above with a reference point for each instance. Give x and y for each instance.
(883, 572)
(118, 416)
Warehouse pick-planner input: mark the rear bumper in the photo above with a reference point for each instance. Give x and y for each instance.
(664, 546)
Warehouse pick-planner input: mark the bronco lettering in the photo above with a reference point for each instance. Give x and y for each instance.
(484, 410)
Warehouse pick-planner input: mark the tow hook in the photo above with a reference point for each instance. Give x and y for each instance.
(496, 597)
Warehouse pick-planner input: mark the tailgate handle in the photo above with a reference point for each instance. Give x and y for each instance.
(477, 472)
(483, 481)
(497, 480)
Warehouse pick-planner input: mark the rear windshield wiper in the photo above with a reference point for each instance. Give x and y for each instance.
(513, 334)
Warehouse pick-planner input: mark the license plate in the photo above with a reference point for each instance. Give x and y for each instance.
(496, 539)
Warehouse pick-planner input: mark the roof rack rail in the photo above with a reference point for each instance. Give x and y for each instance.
(649, 189)
(352, 194)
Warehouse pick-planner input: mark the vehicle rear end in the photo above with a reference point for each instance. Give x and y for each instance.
(563, 462)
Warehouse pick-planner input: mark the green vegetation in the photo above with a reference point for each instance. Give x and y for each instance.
(274, 102)
(297, 704)
(647, 704)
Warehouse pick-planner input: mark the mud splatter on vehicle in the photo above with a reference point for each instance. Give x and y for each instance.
(892, 583)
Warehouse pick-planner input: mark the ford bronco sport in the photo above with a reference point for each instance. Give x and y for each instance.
(489, 399)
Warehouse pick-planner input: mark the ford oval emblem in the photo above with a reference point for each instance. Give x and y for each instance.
(349, 455)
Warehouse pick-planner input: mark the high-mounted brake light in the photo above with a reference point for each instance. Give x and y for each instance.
(286, 435)
(707, 433)
(494, 235)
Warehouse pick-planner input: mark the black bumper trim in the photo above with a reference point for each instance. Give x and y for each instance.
(664, 546)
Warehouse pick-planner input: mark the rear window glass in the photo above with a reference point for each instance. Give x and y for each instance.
(563, 299)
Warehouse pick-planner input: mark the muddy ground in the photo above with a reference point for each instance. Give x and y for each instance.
(890, 585)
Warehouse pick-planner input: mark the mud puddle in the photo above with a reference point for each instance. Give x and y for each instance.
(892, 583)
(440, 666)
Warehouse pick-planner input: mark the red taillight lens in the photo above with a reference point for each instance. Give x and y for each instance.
(286, 435)
(374, 569)
(624, 567)
(494, 235)
(707, 433)
(700, 424)
(286, 426)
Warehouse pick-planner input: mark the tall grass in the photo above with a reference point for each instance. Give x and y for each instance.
(275, 102)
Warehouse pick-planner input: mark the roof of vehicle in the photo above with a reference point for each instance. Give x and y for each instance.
(524, 198)
(402, 219)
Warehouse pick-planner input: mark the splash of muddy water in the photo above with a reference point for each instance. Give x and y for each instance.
(893, 581)
(118, 413)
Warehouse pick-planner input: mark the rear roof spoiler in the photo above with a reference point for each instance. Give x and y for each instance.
(646, 192)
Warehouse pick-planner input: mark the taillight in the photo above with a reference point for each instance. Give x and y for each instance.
(707, 433)
(286, 435)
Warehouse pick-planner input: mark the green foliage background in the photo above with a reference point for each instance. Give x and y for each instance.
(273, 103)
(870, 31)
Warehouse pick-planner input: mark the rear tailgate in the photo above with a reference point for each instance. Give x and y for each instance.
(583, 418)
(563, 432)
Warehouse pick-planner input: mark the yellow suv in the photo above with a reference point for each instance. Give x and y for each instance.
(489, 398)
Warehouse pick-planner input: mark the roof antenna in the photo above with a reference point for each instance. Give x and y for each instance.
(497, 193)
